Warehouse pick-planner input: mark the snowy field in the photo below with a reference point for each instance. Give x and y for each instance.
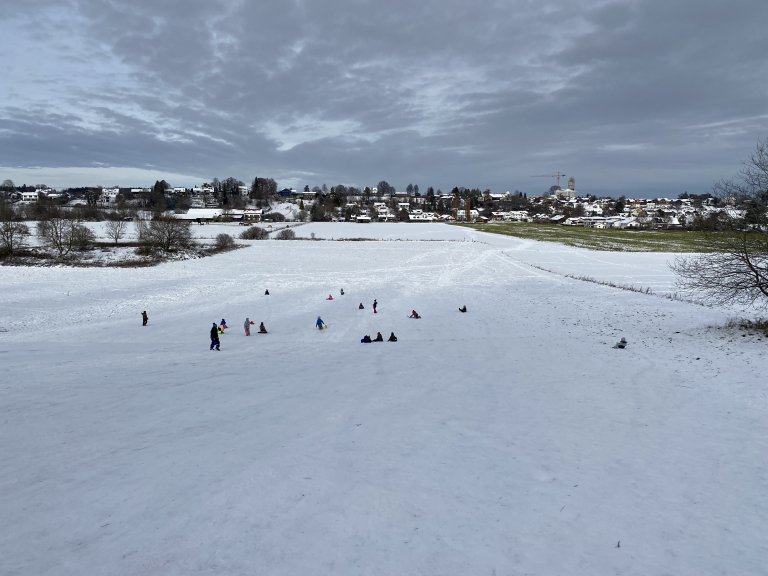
(513, 439)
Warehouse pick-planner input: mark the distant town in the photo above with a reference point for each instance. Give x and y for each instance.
(232, 200)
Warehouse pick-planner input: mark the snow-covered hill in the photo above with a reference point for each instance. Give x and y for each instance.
(513, 439)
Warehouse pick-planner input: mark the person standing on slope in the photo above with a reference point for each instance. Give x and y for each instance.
(375, 303)
(215, 337)
(144, 318)
(247, 326)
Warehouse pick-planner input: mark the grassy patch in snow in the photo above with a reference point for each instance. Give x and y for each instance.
(757, 325)
(609, 239)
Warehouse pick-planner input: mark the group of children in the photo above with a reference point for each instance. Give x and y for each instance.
(217, 329)
(379, 338)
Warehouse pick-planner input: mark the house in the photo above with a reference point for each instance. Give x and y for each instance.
(251, 214)
(109, 196)
(363, 219)
(626, 223)
(29, 197)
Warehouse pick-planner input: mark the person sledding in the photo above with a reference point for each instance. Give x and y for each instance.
(266, 292)
(414, 314)
(365, 339)
(247, 326)
(215, 337)
(361, 307)
(463, 309)
(392, 337)
(330, 297)
(320, 324)
(223, 326)
(342, 291)
(262, 328)
(379, 337)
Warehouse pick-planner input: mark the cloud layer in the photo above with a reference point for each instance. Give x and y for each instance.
(636, 97)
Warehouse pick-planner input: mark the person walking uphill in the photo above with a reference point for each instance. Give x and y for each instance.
(215, 337)
(375, 303)
(144, 318)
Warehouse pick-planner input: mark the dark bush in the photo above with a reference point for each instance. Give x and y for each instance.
(254, 233)
(224, 241)
(286, 234)
(274, 217)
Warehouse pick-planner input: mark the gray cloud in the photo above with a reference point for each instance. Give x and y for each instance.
(629, 96)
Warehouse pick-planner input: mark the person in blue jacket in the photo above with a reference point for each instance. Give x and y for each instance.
(320, 324)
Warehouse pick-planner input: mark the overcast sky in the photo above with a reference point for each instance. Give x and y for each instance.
(634, 97)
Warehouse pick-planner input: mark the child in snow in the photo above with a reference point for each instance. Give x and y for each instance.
(365, 339)
(144, 318)
(415, 314)
(342, 291)
(379, 337)
(223, 326)
(330, 297)
(392, 337)
(375, 303)
(215, 337)
(621, 343)
(361, 307)
(247, 326)
(463, 309)
(320, 324)
(262, 328)
(266, 292)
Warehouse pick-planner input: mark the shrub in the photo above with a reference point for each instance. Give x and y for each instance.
(254, 233)
(224, 241)
(286, 234)
(274, 217)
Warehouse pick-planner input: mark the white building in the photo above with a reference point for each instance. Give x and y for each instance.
(109, 196)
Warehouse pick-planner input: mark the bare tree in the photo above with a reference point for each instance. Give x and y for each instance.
(737, 272)
(116, 229)
(64, 234)
(167, 234)
(13, 236)
(55, 233)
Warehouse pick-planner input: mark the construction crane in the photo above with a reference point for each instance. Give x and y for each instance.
(557, 175)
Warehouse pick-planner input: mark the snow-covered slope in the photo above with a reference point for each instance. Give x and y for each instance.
(513, 439)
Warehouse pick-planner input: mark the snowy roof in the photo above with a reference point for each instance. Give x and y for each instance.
(203, 213)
